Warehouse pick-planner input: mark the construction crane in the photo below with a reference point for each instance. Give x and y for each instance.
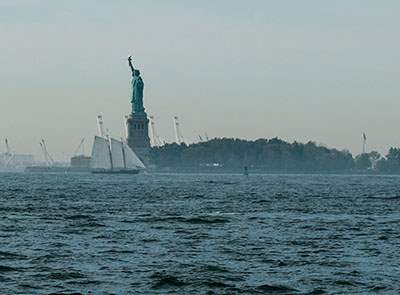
(80, 150)
(364, 143)
(155, 139)
(126, 127)
(100, 126)
(8, 150)
(152, 132)
(178, 135)
(8, 156)
(47, 158)
(103, 131)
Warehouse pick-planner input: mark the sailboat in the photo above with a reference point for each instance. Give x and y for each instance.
(114, 157)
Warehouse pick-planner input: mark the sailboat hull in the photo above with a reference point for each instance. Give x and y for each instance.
(116, 171)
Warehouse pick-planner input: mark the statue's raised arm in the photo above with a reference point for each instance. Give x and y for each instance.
(131, 65)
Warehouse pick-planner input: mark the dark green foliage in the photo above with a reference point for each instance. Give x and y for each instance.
(273, 155)
(367, 161)
(262, 155)
(392, 162)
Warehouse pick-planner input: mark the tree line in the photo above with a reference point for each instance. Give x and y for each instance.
(270, 155)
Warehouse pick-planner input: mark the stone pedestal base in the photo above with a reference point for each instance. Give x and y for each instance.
(138, 135)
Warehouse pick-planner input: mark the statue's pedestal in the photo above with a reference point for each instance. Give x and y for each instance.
(138, 135)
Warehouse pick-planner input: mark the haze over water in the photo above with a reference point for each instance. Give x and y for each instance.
(190, 234)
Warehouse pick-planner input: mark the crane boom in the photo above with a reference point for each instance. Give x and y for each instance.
(49, 160)
(156, 141)
(178, 135)
(126, 118)
(8, 150)
(44, 153)
(100, 126)
(8, 155)
(81, 147)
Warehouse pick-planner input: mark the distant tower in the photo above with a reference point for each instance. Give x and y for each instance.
(138, 133)
(178, 135)
(364, 143)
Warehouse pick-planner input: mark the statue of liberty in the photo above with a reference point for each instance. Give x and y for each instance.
(137, 89)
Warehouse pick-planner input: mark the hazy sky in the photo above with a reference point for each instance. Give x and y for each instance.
(307, 70)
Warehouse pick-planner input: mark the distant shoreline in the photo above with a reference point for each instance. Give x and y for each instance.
(258, 172)
(271, 156)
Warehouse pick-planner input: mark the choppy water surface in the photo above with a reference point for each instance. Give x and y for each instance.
(199, 234)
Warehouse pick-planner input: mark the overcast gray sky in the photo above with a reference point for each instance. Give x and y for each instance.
(301, 70)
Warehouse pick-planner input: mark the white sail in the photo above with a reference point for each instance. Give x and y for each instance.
(117, 154)
(131, 159)
(101, 154)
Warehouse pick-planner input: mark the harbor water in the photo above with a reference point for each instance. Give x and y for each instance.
(199, 234)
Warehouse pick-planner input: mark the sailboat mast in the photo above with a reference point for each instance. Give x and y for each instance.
(123, 153)
(109, 152)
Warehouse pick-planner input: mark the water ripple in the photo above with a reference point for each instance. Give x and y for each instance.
(199, 234)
